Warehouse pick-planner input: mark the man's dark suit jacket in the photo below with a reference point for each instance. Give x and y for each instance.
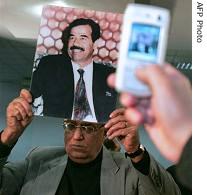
(184, 166)
(182, 172)
(54, 80)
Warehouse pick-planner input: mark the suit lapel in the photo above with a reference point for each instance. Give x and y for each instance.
(49, 176)
(112, 176)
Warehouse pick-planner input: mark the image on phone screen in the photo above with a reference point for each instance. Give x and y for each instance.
(143, 44)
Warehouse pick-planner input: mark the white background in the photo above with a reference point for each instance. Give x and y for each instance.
(199, 102)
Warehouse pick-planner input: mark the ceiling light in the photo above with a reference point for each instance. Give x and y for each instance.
(59, 3)
(36, 10)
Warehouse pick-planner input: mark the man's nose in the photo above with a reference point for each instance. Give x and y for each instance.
(76, 41)
(78, 135)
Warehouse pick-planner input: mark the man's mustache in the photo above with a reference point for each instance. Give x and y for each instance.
(77, 47)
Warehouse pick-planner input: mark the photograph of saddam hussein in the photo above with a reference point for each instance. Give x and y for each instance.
(76, 51)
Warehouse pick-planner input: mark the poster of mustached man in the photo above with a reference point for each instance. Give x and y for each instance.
(76, 51)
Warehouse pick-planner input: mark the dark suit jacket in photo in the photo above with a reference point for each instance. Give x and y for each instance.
(54, 80)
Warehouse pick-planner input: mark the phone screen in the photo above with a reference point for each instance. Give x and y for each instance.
(143, 44)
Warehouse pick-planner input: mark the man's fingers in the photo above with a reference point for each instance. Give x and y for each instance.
(114, 121)
(26, 95)
(21, 114)
(153, 75)
(119, 133)
(25, 104)
(17, 115)
(115, 127)
(117, 112)
(19, 109)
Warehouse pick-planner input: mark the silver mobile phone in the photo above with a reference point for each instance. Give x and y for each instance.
(143, 42)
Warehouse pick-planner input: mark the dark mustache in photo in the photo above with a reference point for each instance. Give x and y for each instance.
(76, 47)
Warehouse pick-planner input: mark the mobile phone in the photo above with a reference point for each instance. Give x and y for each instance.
(143, 42)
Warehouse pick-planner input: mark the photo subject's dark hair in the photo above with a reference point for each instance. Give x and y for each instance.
(80, 21)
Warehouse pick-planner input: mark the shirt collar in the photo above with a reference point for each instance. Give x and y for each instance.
(86, 68)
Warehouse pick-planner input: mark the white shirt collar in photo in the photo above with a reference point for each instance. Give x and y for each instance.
(88, 79)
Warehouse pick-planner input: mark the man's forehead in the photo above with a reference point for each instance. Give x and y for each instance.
(81, 29)
(82, 122)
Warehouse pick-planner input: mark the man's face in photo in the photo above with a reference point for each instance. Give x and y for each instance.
(80, 44)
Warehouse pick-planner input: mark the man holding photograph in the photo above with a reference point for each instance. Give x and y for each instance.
(57, 79)
(84, 165)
